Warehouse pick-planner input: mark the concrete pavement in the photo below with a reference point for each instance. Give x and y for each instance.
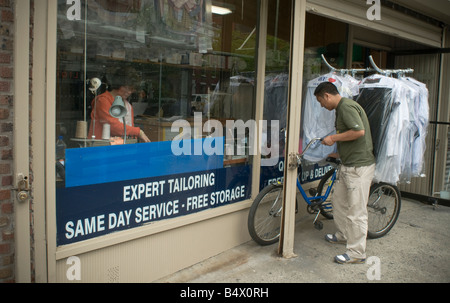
(416, 250)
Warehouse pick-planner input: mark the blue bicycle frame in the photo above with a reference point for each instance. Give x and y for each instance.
(315, 199)
(319, 199)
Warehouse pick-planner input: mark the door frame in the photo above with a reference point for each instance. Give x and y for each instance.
(21, 141)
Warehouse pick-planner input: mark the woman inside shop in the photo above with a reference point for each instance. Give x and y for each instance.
(121, 83)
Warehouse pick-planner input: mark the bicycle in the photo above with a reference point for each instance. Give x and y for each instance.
(264, 219)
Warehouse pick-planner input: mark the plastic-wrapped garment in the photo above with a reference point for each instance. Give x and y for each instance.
(377, 98)
(393, 109)
(380, 97)
(411, 95)
(421, 121)
(318, 122)
(395, 143)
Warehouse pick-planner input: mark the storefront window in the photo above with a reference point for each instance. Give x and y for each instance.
(179, 75)
(276, 91)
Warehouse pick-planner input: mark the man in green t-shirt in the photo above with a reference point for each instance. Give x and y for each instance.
(351, 191)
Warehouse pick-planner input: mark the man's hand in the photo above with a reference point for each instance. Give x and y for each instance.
(349, 135)
(327, 141)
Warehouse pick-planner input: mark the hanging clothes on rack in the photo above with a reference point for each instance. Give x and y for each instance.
(318, 122)
(380, 96)
(377, 95)
(397, 110)
(392, 107)
(411, 94)
(421, 121)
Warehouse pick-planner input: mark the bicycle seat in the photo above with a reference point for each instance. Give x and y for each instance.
(333, 160)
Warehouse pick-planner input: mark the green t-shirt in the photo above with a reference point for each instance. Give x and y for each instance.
(359, 152)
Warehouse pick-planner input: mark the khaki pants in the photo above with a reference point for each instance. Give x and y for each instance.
(351, 193)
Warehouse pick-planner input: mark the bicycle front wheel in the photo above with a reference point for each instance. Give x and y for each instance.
(264, 218)
(383, 209)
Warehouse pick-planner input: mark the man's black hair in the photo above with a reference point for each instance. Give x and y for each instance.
(326, 87)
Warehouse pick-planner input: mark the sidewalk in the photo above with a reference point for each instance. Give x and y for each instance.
(417, 250)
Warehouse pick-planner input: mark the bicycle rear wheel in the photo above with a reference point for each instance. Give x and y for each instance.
(383, 209)
(264, 218)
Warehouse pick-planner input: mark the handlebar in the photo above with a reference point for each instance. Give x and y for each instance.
(309, 145)
(329, 159)
(299, 156)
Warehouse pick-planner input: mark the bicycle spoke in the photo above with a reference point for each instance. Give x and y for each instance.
(267, 218)
(382, 209)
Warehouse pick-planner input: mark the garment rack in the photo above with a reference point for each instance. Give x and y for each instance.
(389, 72)
(353, 71)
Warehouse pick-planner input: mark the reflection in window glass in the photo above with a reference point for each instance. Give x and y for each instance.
(173, 57)
(323, 36)
(126, 71)
(276, 91)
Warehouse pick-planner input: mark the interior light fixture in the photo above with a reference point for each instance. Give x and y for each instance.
(219, 10)
(118, 110)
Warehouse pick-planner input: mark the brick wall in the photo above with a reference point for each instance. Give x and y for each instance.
(6, 141)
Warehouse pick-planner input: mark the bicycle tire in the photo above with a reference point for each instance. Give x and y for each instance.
(264, 218)
(383, 209)
(326, 207)
(382, 216)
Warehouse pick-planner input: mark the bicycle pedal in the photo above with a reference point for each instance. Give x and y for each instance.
(318, 225)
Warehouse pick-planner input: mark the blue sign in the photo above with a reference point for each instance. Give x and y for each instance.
(103, 164)
(306, 173)
(312, 172)
(113, 188)
(89, 211)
